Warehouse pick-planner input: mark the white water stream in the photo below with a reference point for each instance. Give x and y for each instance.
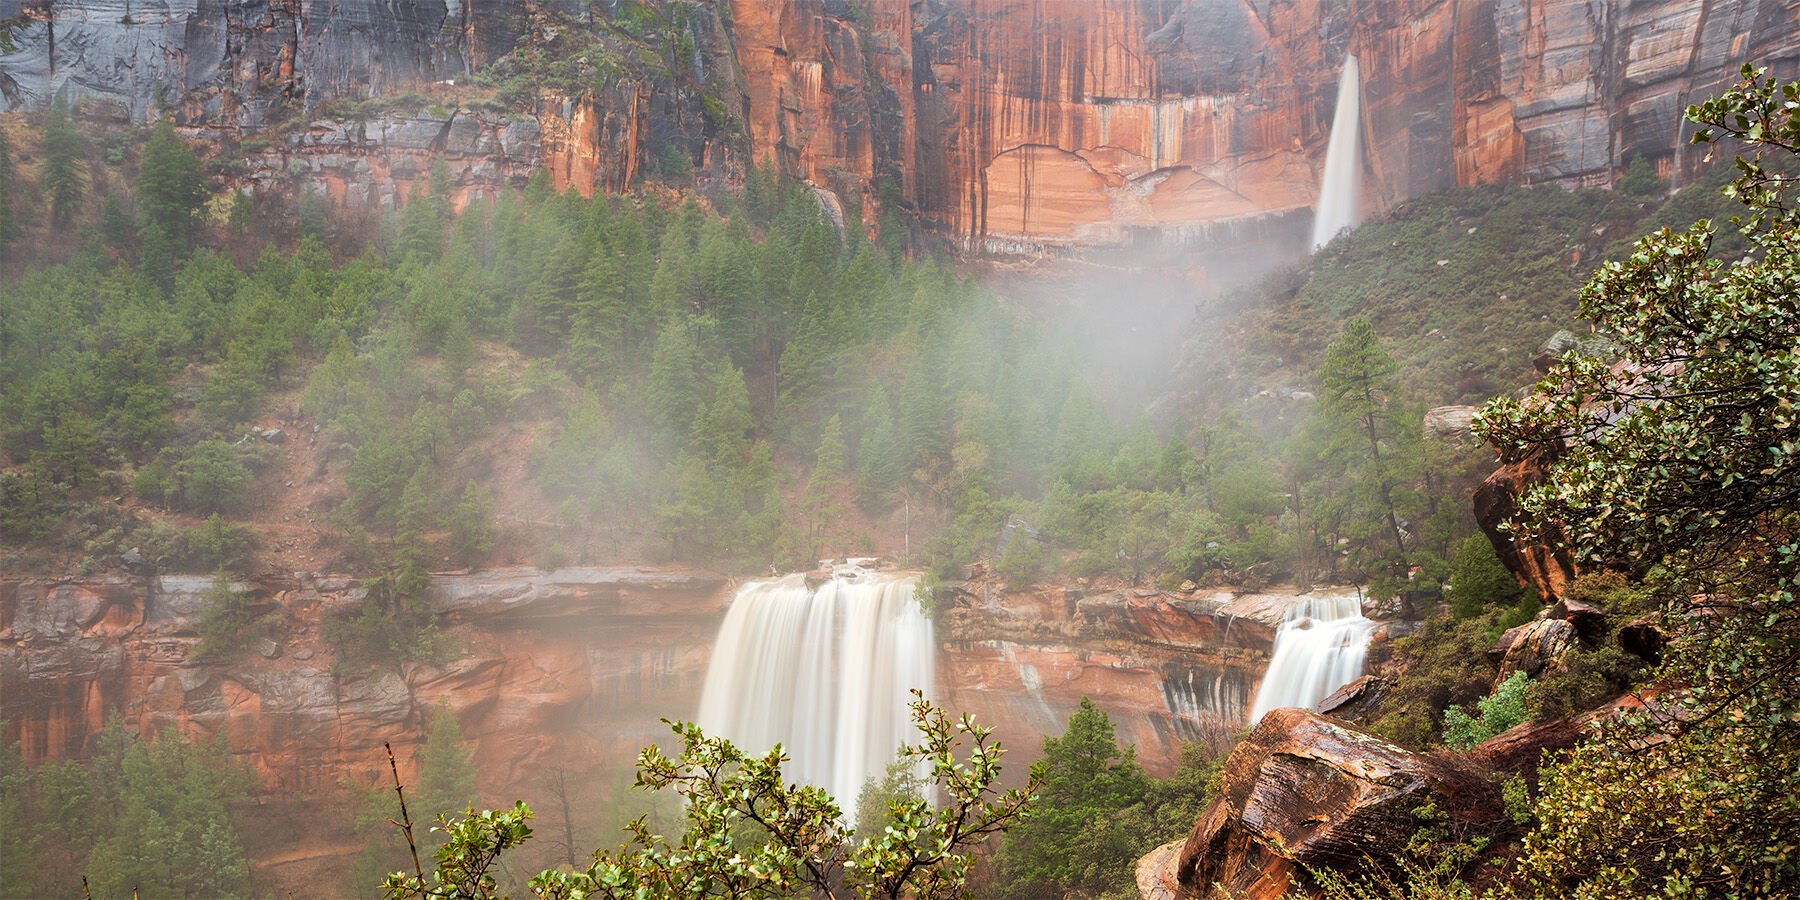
(827, 673)
(1341, 188)
(1319, 647)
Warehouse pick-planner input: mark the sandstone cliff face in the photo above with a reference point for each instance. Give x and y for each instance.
(1012, 125)
(570, 670)
(574, 664)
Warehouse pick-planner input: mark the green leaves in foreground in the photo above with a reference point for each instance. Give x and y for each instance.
(751, 834)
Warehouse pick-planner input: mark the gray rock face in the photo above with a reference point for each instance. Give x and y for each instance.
(237, 63)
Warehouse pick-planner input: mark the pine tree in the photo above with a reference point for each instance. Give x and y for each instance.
(171, 190)
(1356, 385)
(9, 220)
(820, 500)
(63, 172)
(1087, 781)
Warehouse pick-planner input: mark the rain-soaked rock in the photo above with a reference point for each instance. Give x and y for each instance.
(1588, 619)
(1304, 791)
(1539, 565)
(1358, 701)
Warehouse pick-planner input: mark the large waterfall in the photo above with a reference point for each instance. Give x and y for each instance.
(1341, 187)
(827, 673)
(1318, 648)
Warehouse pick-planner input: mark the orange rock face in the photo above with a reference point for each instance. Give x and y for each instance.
(1064, 122)
(1542, 567)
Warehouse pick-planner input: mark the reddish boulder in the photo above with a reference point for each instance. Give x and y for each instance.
(1303, 791)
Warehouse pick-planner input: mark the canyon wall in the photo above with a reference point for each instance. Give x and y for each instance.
(566, 672)
(1013, 125)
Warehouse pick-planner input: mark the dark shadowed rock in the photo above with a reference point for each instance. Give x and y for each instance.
(1643, 637)
(1358, 701)
(1588, 619)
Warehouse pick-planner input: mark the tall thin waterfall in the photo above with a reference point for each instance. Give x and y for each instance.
(1318, 648)
(826, 673)
(1342, 185)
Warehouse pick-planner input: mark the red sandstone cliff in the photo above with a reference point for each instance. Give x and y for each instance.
(1011, 124)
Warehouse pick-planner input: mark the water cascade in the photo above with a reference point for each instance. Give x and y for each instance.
(1318, 648)
(825, 672)
(1342, 184)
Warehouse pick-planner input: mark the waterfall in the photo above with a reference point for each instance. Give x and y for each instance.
(1318, 648)
(826, 673)
(1341, 187)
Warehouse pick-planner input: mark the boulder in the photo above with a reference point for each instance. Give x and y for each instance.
(1449, 422)
(1643, 637)
(1304, 791)
(1532, 647)
(1588, 619)
(1357, 701)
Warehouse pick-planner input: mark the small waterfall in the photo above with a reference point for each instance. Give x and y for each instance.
(826, 673)
(1318, 648)
(1341, 187)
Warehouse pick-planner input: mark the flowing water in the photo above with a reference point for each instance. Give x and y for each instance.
(1319, 648)
(1341, 188)
(825, 672)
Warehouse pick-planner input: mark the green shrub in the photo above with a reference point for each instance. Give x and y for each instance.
(1507, 706)
(228, 624)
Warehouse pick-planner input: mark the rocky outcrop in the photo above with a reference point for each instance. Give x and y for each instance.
(570, 670)
(1303, 791)
(1358, 701)
(1170, 668)
(1541, 566)
(1012, 125)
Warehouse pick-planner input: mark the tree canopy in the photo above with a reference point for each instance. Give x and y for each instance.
(1676, 457)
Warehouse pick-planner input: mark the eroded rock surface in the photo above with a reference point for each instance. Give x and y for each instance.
(1539, 566)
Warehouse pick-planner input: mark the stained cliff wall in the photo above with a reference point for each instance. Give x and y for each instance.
(1012, 124)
